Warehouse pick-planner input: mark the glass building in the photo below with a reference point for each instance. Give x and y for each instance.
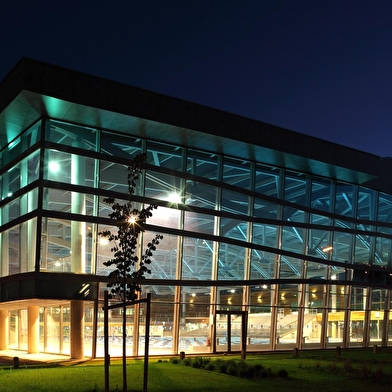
(272, 239)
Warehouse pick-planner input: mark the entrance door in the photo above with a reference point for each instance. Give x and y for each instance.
(230, 329)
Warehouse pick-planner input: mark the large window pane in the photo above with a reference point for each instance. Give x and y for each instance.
(197, 259)
(321, 194)
(231, 262)
(384, 207)
(264, 234)
(293, 239)
(70, 168)
(202, 164)
(234, 202)
(200, 195)
(120, 146)
(164, 155)
(164, 259)
(236, 172)
(67, 246)
(71, 135)
(199, 223)
(267, 181)
(195, 318)
(162, 186)
(344, 202)
(295, 188)
(233, 228)
(262, 265)
(114, 177)
(287, 321)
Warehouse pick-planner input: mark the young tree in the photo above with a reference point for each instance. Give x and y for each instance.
(125, 279)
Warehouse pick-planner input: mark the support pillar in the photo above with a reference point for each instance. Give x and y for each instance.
(4, 333)
(77, 329)
(33, 329)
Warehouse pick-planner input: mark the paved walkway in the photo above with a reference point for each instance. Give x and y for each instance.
(6, 356)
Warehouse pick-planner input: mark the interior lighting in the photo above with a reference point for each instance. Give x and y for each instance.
(103, 241)
(327, 249)
(54, 166)
(174, 198)
(132, 220)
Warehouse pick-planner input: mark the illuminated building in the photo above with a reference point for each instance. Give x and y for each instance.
(282, 231)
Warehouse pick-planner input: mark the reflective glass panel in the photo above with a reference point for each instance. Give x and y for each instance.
(236, 172)
(164, 155)
(200, 195)
(295, 188)
(262, 265)
(234, 202)
(71, 135)
(267, 180)
(199, 223)
(344, 199)
(265, 209)
(197, 259)
(321, 194)
(233, 228)
(163, 186)
(164, 259)
(231, 261)
(120, 146)
(202, 164)
(290, 267)
(114, 177)
(384, 207)
(264, 234)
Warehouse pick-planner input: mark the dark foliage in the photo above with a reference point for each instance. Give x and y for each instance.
(125, 279)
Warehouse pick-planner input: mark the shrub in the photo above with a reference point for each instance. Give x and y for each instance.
(209, 366)
(257, 369)
(333, 367)
(174, 360)
(232, 368)
(366, 371)
(348, 366)
(282, 373)
(200, 362)
(245, 370)
(379, 373)
(266, 373)
(187, 361)
(221, 366)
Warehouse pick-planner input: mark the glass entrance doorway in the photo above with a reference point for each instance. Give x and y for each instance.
(230, 331)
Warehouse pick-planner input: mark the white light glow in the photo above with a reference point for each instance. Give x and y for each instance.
(174, 198)
(54, 166)
(103, 241)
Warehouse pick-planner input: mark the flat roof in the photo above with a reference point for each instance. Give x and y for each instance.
(34, 89)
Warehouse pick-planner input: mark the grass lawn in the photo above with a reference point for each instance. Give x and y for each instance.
(321, 371)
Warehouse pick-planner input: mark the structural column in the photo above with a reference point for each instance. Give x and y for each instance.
(4, 329)
(77, 329)
(78, 251)
(33, 329)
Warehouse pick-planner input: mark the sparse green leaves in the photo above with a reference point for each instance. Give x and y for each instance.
(125, 279)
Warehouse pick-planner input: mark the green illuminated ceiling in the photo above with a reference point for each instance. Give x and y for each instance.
(35, 89)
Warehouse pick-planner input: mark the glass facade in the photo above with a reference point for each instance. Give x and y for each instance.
(306, 258)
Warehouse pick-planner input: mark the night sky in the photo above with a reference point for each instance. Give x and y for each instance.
(317, 67)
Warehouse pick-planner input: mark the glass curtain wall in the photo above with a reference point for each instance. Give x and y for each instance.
(291, 249)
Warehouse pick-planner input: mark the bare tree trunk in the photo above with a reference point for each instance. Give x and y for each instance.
(124, 346)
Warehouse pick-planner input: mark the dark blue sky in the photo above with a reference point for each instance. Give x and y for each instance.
(317, 67)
